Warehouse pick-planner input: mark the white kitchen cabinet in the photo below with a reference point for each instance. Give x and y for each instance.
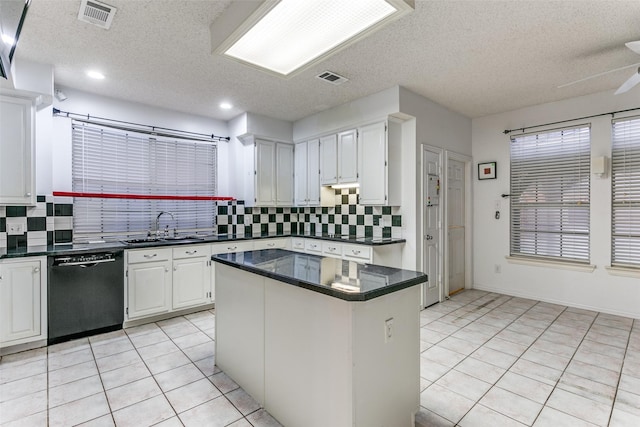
(17, 151)
(149, 282)
(23, 301)
(329, 160)
(348, 156)
(191, 276)
(379, 164)
(265, 172)
(284, 174)
(307, 173)
(339, 158)
(275, 243)
(273, 174)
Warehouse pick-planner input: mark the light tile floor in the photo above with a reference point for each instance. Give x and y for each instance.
(486, 360)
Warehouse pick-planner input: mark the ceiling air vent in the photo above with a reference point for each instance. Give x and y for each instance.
(96, 13)
(331, 77)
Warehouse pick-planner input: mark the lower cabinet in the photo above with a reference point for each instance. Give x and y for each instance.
(191, 276)
(149, 282)
(23, 301)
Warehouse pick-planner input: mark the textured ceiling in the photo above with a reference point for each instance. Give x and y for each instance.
(473, 57)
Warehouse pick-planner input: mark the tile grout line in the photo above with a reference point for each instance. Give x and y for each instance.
(624, 359)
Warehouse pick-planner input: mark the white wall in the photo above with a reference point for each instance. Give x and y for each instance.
(597, 290)
(100, 106)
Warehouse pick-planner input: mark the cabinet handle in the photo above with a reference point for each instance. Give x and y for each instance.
(175, 268)
(271, 244)
(355, 252)
(0, 277)
(332, 249)
(190, 252)
(27, 194)
(36, 270)
(166, 269)
(150, 256)
(231, 248)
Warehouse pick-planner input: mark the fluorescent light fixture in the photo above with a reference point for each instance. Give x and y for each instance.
(226, 106)
(95, 75)
(348, 185)
(8, 40)
(284, 36)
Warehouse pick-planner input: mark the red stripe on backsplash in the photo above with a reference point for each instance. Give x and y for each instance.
(137, 196)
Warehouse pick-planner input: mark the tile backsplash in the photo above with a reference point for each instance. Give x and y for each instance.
(46, 223)
(345, 217)
(50, 221)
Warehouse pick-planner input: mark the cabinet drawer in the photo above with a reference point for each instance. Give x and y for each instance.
(194, 251)
(313, 246)
(332, 249)
(269, 244)
(356, 252)
(297, 244)
(148, 255)
(232, 246)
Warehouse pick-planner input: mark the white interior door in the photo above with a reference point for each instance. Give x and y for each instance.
(456, 232)
(431, 226)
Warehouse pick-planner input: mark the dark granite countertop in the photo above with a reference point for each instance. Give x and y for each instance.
(347, 280)
(78, 248)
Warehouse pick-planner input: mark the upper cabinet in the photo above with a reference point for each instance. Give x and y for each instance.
(273, 183)
(338, 158)
(307, 173)
(379, 164)
(17, 148)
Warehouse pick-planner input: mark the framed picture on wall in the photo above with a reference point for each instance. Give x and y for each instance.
(487, 170)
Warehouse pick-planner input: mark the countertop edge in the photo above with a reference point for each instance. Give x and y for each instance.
(351, 297)
(111, 246)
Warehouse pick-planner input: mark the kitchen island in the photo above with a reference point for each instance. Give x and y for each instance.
(320, 341)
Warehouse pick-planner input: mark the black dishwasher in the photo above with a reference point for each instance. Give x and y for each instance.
(85, 295)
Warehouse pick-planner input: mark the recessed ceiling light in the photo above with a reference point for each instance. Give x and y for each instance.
(8, 40)
(95, 75)
(226, 106)
(293, 34)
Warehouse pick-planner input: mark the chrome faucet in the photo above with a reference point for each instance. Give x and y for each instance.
(158, 221)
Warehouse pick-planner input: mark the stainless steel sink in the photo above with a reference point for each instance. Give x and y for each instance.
(183, 238)
(139, 241)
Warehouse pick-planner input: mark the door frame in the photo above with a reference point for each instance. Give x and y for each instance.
(423, 210)
(468, 220)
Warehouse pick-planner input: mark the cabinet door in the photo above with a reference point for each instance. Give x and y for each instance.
(300, 176)
(17, 121)
(372, 164)
(149, 288)
(348, 156)
(20, 301)
(328, 160)
(284, 174)
(313, 172)
(191, 282)
(265, 173)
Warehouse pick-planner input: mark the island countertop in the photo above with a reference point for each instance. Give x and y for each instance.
(346, 280)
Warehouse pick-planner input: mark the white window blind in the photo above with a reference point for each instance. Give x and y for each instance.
(625, 190)
(550, 179)
(111, 161)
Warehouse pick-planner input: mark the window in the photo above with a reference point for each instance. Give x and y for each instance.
(550, 194)
(112, 161)
(625, 191)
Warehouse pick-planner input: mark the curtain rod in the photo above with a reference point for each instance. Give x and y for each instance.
(613, 113)
(153, 130)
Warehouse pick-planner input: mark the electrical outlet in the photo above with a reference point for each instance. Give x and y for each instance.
(388, 330)
(497, 269)
(15, 229)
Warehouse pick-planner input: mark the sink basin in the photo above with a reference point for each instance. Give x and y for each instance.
(137, 241)
(183, 238)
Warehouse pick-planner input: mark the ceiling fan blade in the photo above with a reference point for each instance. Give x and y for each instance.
(631, 82)
(598, 75)
(634, 46)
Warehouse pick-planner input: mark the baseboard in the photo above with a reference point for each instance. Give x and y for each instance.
(556, 301)
(22, 347)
